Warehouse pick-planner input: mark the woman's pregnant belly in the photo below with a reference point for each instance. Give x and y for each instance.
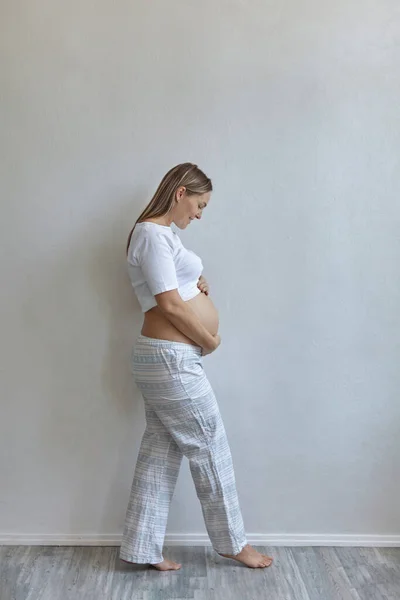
(204, 308)
(156, 325)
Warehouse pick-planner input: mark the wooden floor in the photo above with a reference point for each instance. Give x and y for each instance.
(96, 573)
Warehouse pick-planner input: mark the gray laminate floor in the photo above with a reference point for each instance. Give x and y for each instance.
(96, 573)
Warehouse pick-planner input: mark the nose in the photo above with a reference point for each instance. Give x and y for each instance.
(198, 216)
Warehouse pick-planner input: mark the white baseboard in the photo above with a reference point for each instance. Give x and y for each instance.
(201, 539)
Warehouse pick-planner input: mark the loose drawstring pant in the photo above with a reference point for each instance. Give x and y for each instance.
(183, 419)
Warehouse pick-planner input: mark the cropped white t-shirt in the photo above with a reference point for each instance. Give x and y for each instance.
(158, 262)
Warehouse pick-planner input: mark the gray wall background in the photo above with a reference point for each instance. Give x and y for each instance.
(293, 109)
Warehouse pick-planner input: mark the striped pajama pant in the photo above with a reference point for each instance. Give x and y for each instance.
(182, 419)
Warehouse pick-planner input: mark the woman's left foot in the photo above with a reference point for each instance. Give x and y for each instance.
(167, 565)
(251, 558)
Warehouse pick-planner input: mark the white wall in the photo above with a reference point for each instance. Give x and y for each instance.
(293, 110)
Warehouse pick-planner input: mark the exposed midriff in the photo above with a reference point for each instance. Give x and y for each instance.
(156, 324)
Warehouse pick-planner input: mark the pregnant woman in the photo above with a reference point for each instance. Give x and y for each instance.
(182, 415)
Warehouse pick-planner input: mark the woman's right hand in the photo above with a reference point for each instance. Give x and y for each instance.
(217, 341)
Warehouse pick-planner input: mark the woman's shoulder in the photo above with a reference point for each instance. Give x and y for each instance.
(151, 230)
(149, 234)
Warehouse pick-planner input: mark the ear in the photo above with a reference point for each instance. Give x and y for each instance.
(180, 192)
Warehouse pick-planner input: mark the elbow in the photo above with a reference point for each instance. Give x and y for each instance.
(169, 305)
(169, 309)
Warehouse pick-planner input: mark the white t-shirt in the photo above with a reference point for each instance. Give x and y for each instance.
(158, 262)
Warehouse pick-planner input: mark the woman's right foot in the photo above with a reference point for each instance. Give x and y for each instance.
(167, 565)
(251, 558)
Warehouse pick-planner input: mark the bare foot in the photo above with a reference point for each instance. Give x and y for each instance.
(165, 565)
(251, 558)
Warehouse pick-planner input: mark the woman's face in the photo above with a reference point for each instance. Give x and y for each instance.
(189, 207)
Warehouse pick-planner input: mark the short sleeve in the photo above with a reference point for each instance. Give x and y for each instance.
(157, 263)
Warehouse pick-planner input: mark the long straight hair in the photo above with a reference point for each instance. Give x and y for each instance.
(186, 175)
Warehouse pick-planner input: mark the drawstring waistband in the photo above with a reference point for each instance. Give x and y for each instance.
(180, 346)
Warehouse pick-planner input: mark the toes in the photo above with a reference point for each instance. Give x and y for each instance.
(266, 561)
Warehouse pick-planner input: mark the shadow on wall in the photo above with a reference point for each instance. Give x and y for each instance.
(123, 319)
(117, 302)
(94, 418)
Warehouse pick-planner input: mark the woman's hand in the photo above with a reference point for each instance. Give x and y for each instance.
(203, 285)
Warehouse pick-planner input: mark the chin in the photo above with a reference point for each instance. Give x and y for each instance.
(181, 225)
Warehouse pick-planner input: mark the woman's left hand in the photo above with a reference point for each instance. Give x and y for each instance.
(203, 285)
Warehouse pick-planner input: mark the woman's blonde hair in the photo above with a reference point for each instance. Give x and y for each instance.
(186, 175)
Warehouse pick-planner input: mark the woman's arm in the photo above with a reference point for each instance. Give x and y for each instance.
(155, 257)
(185, 319)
